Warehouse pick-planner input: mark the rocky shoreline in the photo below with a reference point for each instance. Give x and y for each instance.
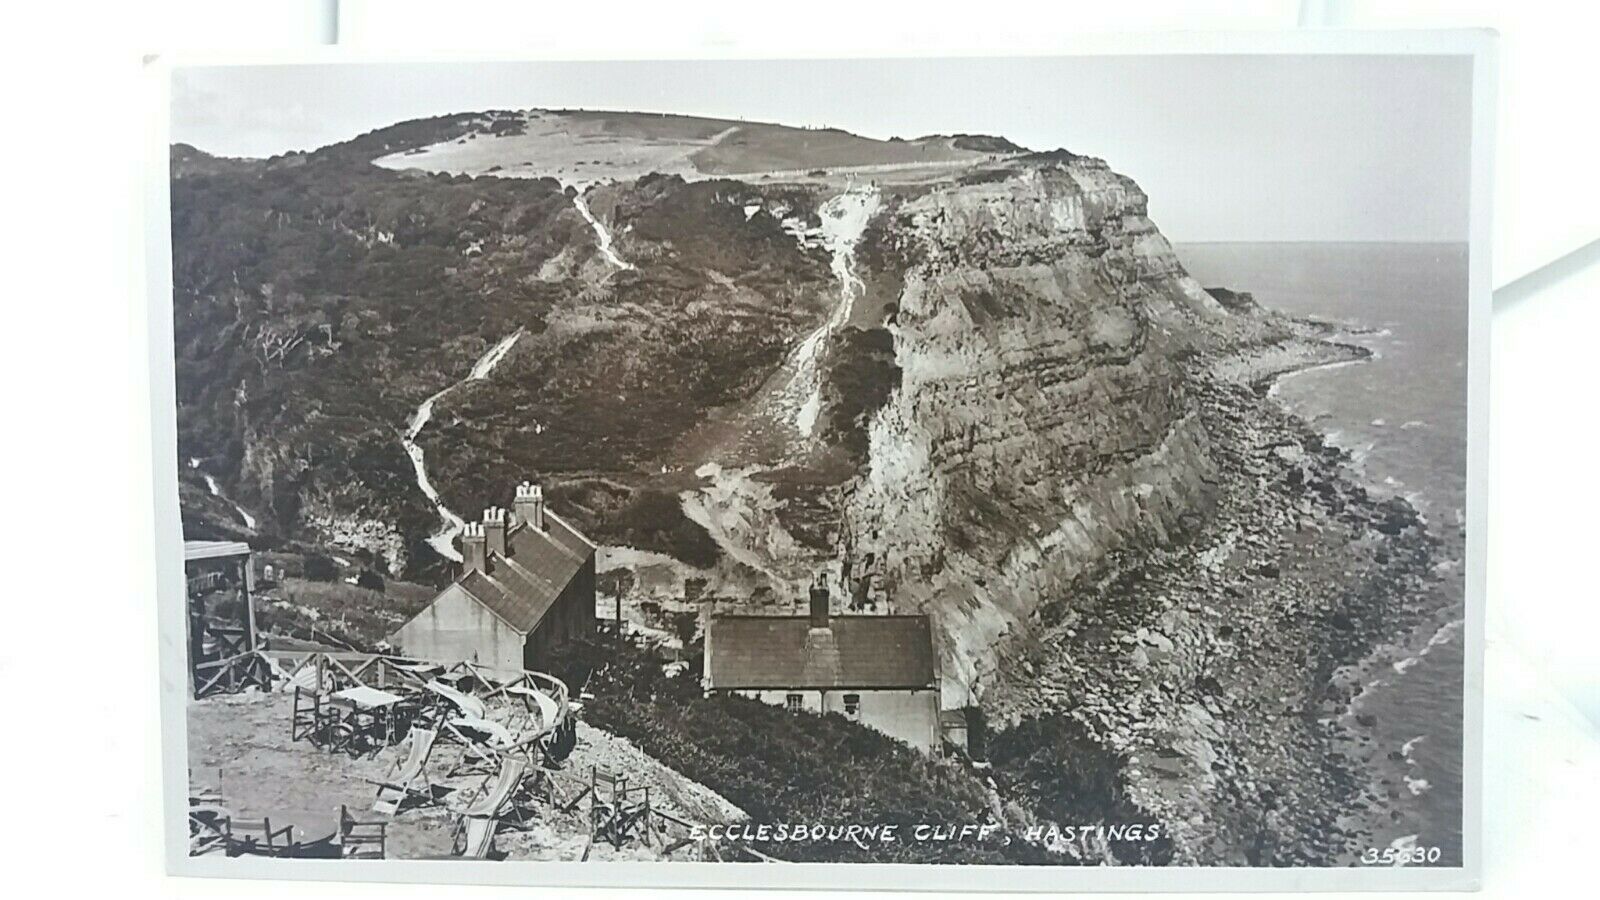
(1212, 664)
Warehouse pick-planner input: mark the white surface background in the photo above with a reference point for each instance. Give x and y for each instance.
(80, 750)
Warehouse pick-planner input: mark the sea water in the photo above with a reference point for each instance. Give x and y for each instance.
(1403, 417)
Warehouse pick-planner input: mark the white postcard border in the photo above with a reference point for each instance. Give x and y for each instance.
(1479, 44)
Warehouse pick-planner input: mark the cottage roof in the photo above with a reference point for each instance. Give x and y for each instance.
(198, 550)
(777, 652)
(520, 586)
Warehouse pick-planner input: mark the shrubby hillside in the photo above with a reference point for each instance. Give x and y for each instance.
(319, 300)
(809, 769)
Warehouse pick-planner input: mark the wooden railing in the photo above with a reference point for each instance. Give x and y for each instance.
(232, 674)
(618, 811)
(321, 671)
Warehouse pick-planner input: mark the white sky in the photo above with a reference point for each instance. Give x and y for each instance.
(1229, 148)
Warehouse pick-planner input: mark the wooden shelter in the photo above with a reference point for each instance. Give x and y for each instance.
(220, 586)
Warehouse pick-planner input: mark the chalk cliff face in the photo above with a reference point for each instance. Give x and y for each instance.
(1078, 475)
(1043, 417)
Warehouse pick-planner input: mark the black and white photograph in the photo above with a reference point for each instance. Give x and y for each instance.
(1047, 462)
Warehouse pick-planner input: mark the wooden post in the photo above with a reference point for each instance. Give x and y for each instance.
(246, 586)
(649, 831)
(619, 802)
(594, 808)
(197, 628)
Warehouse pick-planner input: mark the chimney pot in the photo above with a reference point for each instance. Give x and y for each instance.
(819, 604)
(494, 529)
(530, 504)
(474, 556)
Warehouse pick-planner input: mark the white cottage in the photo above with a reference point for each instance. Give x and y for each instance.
(878, 670)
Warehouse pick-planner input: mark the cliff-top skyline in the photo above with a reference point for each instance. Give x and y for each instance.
(1336, 149)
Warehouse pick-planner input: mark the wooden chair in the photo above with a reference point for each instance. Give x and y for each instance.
(362, 840)
(246, 839)
(313, 719)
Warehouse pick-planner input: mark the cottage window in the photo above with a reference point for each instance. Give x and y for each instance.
(852, 705)
(792, 702)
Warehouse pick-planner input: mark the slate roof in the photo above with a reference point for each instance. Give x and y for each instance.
(777, 652)
(521, 586)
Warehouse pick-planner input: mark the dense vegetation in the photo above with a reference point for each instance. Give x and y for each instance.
(358, 616)
(862, 375)
(783, 767)
(319, 299)
(1068, 778)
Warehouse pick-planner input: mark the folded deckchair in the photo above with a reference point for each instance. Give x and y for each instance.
(470, 706)
(494, 734)
(482, 742)
(482, 816)
(402, 781)
(548, 708)
(207, 826)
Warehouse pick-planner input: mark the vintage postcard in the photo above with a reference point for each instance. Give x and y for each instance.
(819, 471)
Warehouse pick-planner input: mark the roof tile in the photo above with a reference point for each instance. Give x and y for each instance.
(752, 652)
(521, 586)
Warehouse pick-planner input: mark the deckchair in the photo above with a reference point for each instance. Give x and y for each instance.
(483, 743)
(470, 706)
(402, 780)
(208, 826)
(493, 733)
(548, 709)
(417, 666)
(475, 833)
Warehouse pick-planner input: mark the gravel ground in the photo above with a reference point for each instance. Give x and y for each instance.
(239, 746)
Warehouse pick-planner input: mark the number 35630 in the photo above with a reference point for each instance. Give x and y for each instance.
(1400, 856)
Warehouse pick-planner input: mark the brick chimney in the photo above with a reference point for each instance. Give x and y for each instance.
(474, 548)
(494, 529)
(819, 604)
(530, 504)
